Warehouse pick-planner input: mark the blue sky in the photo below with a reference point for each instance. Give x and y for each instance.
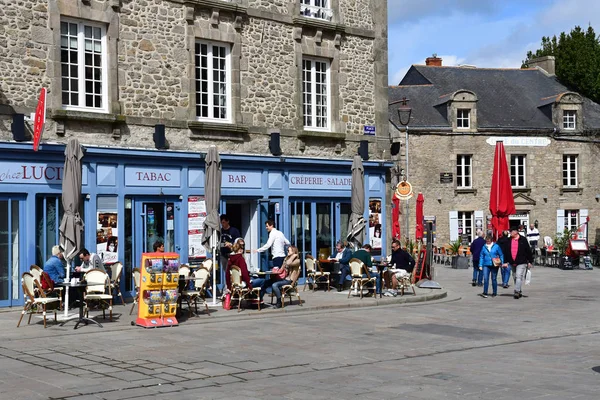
(484, 33)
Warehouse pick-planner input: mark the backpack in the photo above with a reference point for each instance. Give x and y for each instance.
(46, 282)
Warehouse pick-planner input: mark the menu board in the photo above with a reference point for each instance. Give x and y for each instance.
(196, 217)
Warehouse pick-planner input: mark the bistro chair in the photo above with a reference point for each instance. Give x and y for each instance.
(405, 282)
(315, 273)
(37, 275)
(115, 280)
(33, 301)
(290, 289)
(199, 292)
(357, 269)
(240, 292)
(98, 289)
(136, 288)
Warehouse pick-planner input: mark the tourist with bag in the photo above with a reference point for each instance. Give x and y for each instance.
(490, 260)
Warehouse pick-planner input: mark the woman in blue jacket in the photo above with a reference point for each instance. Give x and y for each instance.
(490, 252)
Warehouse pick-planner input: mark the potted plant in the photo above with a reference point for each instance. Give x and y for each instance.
(561, 243)
(458, 261)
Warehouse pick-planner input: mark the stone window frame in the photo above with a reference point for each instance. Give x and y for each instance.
(314, 126)
(59, 11)
(210, 32)
(462, 100)
(229, 119)
(524, 175)
(566, 159)
(460, 164)
(81, 66)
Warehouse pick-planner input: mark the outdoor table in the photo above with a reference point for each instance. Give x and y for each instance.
(80, 287)
(381, 266)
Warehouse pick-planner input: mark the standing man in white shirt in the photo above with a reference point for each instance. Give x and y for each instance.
(533, 237)
(276, 242)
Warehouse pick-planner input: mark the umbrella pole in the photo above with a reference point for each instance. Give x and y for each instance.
(214, 281)
(67, 279)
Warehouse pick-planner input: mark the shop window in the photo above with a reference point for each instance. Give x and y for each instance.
(315, 94)
(325, 237)
(462, 226)
(464, 172)
(569, 170)
(517, 171)
(83, 62)
(213, 81)
(316, 9)
(345, 211)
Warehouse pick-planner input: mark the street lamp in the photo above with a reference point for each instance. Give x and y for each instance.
(404, 112)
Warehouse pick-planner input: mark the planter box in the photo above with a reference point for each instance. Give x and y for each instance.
(460, 262)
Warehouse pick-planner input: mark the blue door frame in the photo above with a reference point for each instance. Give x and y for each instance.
(14, 293)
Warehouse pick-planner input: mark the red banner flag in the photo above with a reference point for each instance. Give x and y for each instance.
(40, 119)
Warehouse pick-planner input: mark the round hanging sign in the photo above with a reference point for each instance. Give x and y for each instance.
(404, 190)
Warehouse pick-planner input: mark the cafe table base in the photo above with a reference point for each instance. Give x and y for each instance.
(81, 319)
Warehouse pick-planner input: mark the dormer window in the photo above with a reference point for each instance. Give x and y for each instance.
(316, 9)
(569, 120)
(463, 118)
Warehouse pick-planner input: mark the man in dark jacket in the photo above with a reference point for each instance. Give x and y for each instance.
(475, 248)
(364, 255)
(518, 256)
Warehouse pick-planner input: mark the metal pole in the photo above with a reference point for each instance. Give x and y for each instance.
(406, 176)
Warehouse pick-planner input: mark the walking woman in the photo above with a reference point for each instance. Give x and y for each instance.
(491, 259)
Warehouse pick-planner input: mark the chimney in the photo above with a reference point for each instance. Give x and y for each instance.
(546, 63)
(433, 61)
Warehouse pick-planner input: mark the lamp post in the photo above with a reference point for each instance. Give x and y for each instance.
(404, 112)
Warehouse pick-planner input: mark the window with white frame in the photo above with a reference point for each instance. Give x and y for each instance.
(213, 81)
(83, 62)
(571, 219)
(316, 9)
(465, 226)
(315, 94)
(517, 171)
(464, 171)
(569, 117)
(569, 170)
(463, 118)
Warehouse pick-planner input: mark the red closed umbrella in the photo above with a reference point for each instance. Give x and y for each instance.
(419, 229)
(396, 217)
(502, 203)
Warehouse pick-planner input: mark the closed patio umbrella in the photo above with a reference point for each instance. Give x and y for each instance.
(356, 225)
(212, 195)
(71, 225)
(502, 203)
(419, 225)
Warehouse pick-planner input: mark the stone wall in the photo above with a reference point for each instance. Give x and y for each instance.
(430, 155)
(150, 46)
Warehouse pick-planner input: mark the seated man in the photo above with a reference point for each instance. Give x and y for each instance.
(364, 255)
(89, 261)
(343, 256)
(402, 264)
(54, 267)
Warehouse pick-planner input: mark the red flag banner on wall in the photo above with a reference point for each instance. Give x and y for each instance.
(40, 119)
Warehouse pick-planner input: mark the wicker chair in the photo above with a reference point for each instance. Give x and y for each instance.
(357, 269)
(200, 280)
(290, 289)
(98, 289)
(33, 301)
(406, 282)
(239, 292)
(115, 280)
(136, 288)
(315, 273)
(37, 275)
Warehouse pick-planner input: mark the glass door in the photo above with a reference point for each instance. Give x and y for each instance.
(10, 252)
(267, 210)
(158, 225)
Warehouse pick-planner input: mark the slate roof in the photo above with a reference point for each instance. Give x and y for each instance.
(507, 98)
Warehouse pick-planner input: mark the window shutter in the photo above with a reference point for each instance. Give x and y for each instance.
(560, 221)
(583, 214)
(453, 226)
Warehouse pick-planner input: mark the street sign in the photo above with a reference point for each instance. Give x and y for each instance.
(40, 119)
(369, 130)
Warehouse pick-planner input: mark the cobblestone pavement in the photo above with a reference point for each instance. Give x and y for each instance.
(543, 346)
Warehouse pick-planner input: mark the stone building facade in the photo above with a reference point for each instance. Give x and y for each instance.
(288, 90)
(458, 114)
(147, 51)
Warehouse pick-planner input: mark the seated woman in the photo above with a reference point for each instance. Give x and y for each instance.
(237, 258)
(291, 261)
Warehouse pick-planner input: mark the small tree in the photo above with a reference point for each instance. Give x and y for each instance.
(561, 240)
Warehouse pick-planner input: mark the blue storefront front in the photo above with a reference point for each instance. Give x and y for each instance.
(132, 198)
